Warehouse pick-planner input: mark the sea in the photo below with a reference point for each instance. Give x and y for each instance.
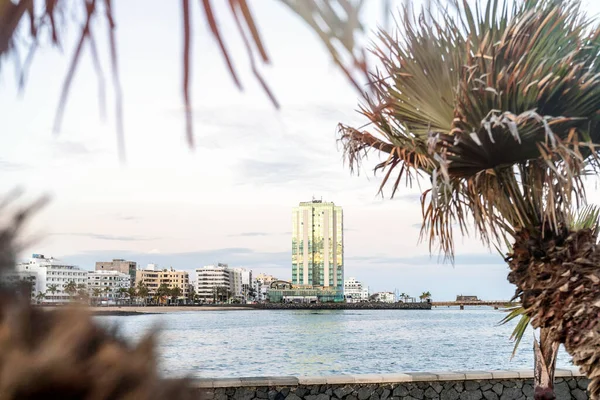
(327, 342)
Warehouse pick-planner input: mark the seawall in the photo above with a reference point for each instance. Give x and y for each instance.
(469, 385)
(341, 306)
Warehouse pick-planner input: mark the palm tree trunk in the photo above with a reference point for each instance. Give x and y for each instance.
(544, 354)
(557, 279)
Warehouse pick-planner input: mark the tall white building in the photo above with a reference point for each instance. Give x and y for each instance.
(50, 277)
(105, 285)
(318, 246)
(354, 291)
(213, 282)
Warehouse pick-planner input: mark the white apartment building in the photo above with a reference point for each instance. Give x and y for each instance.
(241, 282)
(221, 283)
(50, 277)
(354, 291)
(213, 283)
(236, 283)
(258, 290)
(384, 297)
(105, 285)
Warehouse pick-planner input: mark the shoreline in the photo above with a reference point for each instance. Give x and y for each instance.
(141, 310)
(149, 310)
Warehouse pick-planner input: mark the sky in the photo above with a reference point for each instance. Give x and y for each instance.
(230, 198)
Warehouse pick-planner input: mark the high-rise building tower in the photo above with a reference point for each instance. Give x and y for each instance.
(318, 245)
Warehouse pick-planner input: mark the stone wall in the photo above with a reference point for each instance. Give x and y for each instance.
(472, 385)
(342, 306)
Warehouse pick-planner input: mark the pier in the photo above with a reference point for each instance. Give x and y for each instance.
(463, 303)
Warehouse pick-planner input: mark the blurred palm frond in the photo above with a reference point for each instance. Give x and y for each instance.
(336, 22)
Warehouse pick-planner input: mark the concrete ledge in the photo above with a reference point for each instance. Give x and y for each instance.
(444, 376)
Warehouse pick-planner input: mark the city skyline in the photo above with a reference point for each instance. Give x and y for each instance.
(228, 200)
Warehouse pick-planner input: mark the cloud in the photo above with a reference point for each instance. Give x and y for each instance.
(251, 234)
(9, 166)
(62, 147)
(130, 218)
(100, 236)
(459, 259)
(277, 172)
(258, 234)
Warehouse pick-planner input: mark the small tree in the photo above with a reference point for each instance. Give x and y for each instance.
(123, 293)
(192, 294)
(70, 288)
(132, 293)
(96, 292)
(162, 292)
(143, 291)
(175, 293)
(40, 297)
(53, 289)
(82, 292)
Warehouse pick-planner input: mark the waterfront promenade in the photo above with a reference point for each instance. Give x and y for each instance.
(443, 385)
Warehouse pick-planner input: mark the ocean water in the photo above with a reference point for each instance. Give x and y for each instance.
(258, 343)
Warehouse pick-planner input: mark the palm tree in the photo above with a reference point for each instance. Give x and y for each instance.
(175, 293)
(82, 292)
(143, 291)
(132, 293)
(192, 294)
(96, 292)
(40, 297)
(53, 288)
(425, 296)
(504, 129)
(162, 292)
(70, 288)
(122, 292)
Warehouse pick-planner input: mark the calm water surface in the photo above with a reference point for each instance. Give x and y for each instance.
(258, 343)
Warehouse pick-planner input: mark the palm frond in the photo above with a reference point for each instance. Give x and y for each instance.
(587, 218)
(520, 328)
(500, 104)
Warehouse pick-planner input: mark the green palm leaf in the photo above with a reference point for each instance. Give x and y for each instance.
(520, 328)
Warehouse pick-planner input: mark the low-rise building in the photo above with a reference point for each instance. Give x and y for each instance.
(153, 277)
(257, 287)
(262, 285)
(107, 287)
(384, 297)
(466, 298)
(354, 291)
(286, 292)
(50, 278)
(213, 283)
(119, 265)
